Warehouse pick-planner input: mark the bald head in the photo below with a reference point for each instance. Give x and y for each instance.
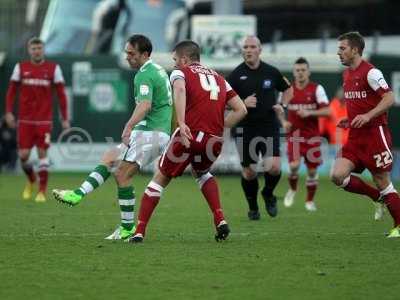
(251, 39)
(251, 50)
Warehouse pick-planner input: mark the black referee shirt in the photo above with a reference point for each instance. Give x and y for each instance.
(265, 82)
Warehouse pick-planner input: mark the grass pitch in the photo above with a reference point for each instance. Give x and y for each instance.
(50, 251)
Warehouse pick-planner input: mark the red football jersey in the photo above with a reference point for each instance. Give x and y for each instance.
(35, 98)
(363, 90)
(207, 93)
(311, 97)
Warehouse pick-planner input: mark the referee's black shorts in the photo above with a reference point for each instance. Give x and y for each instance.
(252, 141)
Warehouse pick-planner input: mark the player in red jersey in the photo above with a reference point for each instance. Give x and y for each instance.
(368, 97)
(308, 103)
(200, 96)
(35, 80)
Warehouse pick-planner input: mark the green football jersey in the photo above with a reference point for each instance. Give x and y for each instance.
(151, 83)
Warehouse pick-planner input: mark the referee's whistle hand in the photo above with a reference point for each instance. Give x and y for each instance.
(251, 101)
(278, 108)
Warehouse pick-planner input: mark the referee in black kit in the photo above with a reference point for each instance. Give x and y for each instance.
(258, 84)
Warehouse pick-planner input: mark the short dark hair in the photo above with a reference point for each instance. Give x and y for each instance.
(355, 39)
(301, 60)
(142, 43)
(35, 41)
(189, 48)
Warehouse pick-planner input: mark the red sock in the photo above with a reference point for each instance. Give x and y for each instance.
(293, 179)
(312, 185)
(43, 174)
(357, 186)
(150, 199)
(392, 202)
(28, 170)
(209, 188)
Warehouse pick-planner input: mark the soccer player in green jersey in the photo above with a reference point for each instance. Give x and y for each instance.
(143, 139)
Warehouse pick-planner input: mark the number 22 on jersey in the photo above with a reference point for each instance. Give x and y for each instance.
(209, 84)
(383, 159)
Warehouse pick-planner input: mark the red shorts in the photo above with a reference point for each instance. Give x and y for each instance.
(309, 149)
(369, 148)
(203, 151)
(30, 134)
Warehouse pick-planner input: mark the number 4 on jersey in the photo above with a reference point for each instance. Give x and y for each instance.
(209, 84)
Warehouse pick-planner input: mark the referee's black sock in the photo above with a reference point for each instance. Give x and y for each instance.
(250, 188)
(271, 181)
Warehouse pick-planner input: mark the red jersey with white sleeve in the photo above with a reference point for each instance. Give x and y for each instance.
(363, 90)
(207, 93)
(36, 82)
(311, 97)
(368, 146)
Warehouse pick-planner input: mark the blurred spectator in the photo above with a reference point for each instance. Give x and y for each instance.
(8, 146)
(105, 18)
(328, 125)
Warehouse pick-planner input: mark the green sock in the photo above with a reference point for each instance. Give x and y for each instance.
(96, 178)
(126, 200)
